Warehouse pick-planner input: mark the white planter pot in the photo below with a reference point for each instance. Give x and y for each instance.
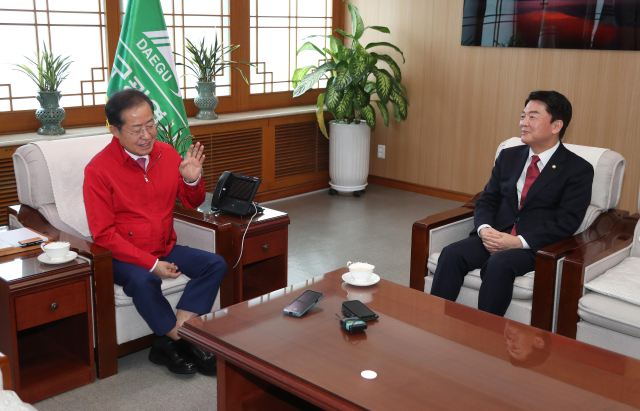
(349, 156)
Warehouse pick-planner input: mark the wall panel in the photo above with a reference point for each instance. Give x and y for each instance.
(466, 100)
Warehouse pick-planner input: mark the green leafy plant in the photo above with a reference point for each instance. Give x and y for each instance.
(353, 78)
(206, 63)
(49, 71)
(177, 139)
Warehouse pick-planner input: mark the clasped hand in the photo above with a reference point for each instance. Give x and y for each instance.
(494, 240)
(166, 270)
(191, 167)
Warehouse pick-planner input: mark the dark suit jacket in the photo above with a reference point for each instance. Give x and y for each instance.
(555, 204)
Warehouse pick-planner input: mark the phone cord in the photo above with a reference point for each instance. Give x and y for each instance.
(245, 233)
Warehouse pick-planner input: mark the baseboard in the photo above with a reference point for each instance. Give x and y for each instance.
(292, 191)
(415, 188)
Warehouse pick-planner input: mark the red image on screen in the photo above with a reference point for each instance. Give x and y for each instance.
(565, 24)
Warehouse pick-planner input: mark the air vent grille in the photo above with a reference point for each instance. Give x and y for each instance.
(239, 151)
(300, 149)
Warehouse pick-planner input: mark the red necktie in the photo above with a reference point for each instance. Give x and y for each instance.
(142, 162)
(532, 173)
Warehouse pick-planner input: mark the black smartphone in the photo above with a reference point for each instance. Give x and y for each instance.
(355, 308)
(303, 303)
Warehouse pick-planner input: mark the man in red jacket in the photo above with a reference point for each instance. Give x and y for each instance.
(130, 189)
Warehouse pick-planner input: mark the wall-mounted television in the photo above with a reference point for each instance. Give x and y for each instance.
(564, 24)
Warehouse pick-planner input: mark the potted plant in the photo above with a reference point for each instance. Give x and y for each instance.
(353, 78)
(49, 72)
(176, 140)
(206, 63)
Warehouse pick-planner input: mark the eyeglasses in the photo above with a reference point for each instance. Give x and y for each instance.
(138, 133)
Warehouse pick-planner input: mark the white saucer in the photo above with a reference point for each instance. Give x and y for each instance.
(348, 278)
(43, 258)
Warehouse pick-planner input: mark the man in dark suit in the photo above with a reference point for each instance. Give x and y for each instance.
(537, 195)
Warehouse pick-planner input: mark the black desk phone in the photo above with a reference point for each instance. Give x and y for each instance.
(234, 194)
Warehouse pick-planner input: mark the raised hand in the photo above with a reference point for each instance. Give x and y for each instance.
(191, 167)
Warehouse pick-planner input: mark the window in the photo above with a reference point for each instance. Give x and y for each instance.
(195, 20)
(268, 31)
(73, 28)
(278, 29)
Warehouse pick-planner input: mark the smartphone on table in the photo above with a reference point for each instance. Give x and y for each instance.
(355, 308)
(303, 303)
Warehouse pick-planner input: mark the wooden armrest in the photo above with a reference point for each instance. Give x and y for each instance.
(420, 241)
(472, 203)
(5, 368)
(103, 300)
(618, 238)
(571, 288)
(444, 218)
(544, 285)
(598, 229)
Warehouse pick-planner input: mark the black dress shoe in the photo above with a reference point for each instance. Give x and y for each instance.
(165, 351)
(204, 360)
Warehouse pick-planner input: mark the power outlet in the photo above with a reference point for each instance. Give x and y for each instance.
(381, 151)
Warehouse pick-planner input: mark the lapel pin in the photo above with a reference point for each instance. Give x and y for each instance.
(553, 166)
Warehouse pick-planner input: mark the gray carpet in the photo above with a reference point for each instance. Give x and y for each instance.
(325, 232)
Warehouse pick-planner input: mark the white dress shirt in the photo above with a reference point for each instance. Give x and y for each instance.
(146, 164)
(544, 159)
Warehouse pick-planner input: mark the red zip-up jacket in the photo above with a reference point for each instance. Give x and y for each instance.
(130, 212)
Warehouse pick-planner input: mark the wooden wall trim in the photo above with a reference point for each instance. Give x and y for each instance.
(292, 191)
(416, 188)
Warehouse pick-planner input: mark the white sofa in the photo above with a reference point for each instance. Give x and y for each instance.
(537, 291)
(601, 291)
(9, 400)
(35, 191)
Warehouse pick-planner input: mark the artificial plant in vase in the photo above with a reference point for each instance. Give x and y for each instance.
(206, 63)
(353, 79)
(49, 72)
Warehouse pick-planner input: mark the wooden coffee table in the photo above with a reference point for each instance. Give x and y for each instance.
(428, 353)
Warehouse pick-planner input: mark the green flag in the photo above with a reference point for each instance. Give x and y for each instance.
(144, 60)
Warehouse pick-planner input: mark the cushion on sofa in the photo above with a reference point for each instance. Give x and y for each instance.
(610, 313)
(621, 282)
(522, 287)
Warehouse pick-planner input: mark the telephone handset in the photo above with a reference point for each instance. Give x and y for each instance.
(234, 193)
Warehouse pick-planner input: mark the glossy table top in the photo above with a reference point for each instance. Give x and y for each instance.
(427, 352)
(204, 213)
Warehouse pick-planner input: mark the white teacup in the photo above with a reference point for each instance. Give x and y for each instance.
(360, 272)
(56, 250)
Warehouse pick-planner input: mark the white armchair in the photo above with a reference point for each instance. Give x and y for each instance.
(119, 328)
(600, 294)
(534, 298)
(9, 400)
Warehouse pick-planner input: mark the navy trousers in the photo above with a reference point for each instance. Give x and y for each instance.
(206, 271)
(498, 272)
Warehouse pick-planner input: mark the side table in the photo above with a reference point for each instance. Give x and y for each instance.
(263, 266)
(46, 325)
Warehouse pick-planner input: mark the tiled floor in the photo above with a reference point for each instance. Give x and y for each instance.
(324, 234)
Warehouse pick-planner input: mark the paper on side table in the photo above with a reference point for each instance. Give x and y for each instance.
(12, 237)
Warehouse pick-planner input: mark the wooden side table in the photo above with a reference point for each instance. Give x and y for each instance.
(263, 266)
(46, 325)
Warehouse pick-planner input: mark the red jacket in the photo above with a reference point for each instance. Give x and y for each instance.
(131, 213)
